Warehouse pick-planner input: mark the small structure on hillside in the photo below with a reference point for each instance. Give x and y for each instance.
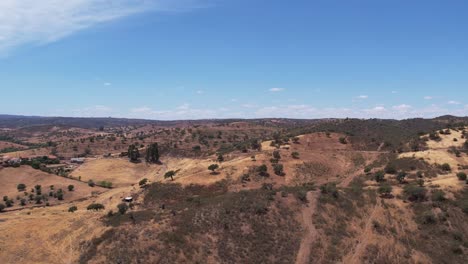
(128, 199)
(77, 160)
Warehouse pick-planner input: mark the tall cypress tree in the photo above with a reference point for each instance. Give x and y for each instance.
(152, 153)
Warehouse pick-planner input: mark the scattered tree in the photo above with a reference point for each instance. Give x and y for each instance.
(72, 209)
(91, 183)
(401, 177)
(21, 187)
(2, 207)
(385, 189)
(71, 188)
(446, 167)
(379, 176)
(414, 192)
(170, 174)
(213, 168)
(279, 169)
(262, 170)
(276, 155)
(152, 153)
(95, 207)
(123, 208)
(461, 176)
(220, 158)
(133, 153)
(143, 182)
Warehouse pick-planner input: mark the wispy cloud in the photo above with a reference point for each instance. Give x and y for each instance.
(45, 21)
(428, 97)
(275, 90)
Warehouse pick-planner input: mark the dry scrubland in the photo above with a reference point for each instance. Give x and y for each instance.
(350, 193)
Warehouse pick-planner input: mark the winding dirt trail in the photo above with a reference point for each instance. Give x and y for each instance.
(303, 255)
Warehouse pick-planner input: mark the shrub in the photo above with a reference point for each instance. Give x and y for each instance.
(415, 193)
(123, 208)
(105, 184)
(213, 168)
(329, 188)
(60, 194)
(91, 183)
(143, 182)
(2, 207)
(21, 187)
(385, 189)
(401, 177)
(72, 209)
(23, 202)
(343, 140)
(379, 176)
(262, 170)
(170, 174)
(389, 169)
(438, 196)
(276, 155)
(95, 207)
(71, 188)
(295, 155)
(279, 169)
(367, 169)
(461, 176)
(446, 167)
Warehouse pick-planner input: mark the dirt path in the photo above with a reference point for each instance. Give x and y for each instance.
(366, 233)
(303, 255)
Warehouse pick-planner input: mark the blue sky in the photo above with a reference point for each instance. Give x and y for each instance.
(192, 59)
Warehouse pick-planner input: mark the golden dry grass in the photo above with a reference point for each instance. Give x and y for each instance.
(120, 172)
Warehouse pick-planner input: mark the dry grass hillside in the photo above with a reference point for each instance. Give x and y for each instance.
(282, 192)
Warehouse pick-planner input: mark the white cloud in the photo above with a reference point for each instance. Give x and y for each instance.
(402, 107)
(363, 97)
(200, 92)
(275, 90)
(92, 111)
(453, 102)
(40, 22)
(428, 97)
(107, 84)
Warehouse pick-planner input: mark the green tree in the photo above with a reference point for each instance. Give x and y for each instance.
(133, 153)
(71, 188)
(213, 168)
(278, 169)
(379, 176)
(21, 187)
(262, 170)
(152, 153)
(60, 195)
(23, 202)
(385, 189)
(2, 207)
(220, 158)
(91, 183)
(170, 174)
(123, 208)
(461, 176)
(414, 192)
(446, 167)
(38, 189)
(401, 176)
(72, 209)
(95, 207)
(143, 182)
